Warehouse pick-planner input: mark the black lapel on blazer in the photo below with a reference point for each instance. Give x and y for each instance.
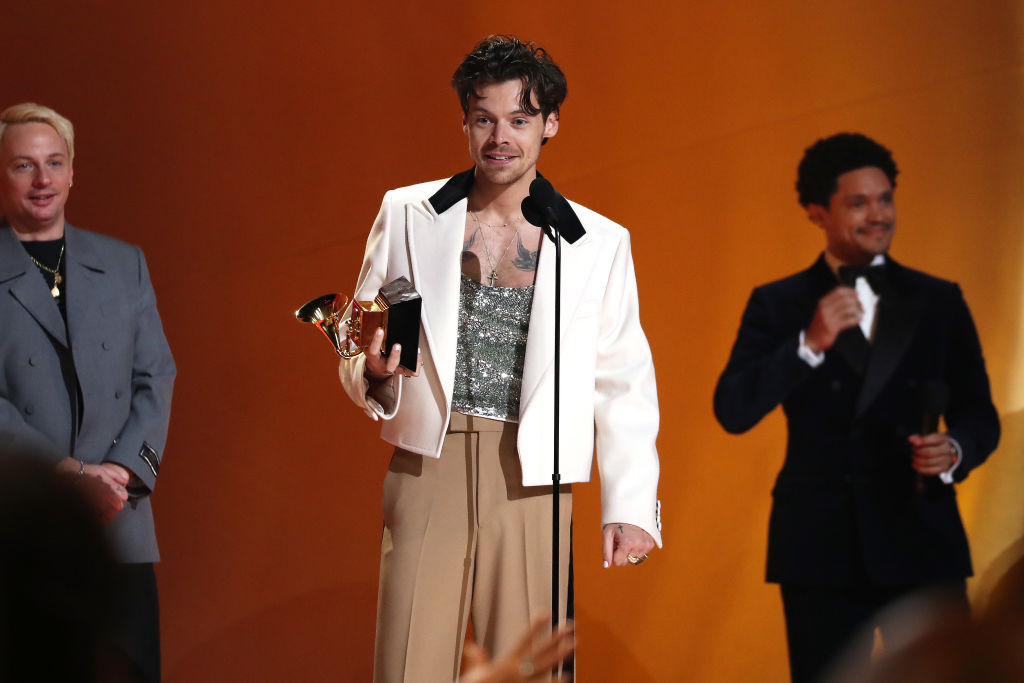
(19, 276)
(899, 312)
(459, 185)
(822, 281)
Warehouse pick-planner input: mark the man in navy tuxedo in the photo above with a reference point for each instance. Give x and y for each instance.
(863, 354)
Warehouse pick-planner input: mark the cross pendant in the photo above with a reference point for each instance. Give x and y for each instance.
(493, 276)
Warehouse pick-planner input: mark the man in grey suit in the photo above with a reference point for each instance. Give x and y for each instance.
(85, 370)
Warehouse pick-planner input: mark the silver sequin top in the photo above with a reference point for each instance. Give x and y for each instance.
(493, 323)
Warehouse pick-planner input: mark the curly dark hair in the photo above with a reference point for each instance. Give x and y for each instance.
(499, 58)
(818, 174)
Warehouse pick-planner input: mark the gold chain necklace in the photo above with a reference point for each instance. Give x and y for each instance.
(493, 277)
(55, 272)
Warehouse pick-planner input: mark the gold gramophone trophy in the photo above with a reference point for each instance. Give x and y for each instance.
(396, 308)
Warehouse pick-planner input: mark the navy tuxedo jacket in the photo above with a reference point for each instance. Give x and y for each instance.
(847, 505)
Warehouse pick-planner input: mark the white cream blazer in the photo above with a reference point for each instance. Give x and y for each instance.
(608, 394)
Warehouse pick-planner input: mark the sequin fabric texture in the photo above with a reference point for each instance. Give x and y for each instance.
(493, 324)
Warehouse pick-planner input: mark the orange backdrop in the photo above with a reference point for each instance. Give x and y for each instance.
(246, 148)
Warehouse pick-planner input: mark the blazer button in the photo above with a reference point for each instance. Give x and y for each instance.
(29, 409)
(32, 361)
(117, 394)
(105, 345)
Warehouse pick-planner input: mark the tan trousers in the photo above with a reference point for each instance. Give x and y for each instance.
(462, 536)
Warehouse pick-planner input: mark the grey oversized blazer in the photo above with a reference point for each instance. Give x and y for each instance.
(124, 367)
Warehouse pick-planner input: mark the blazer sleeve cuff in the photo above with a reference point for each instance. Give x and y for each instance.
(378, 400)
(143, 464)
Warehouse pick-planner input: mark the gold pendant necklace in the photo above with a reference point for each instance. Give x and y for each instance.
(55, 272)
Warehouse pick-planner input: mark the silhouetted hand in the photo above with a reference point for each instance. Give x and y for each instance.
(529, 660)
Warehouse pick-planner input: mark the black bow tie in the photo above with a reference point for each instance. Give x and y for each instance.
(875, 275)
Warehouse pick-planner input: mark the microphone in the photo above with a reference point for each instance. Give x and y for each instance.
(934, 399)
(539, 206)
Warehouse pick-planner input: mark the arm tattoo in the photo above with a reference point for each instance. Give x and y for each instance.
(525, 259)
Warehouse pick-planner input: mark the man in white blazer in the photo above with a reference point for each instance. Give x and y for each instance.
(457, 540)
(86, 374)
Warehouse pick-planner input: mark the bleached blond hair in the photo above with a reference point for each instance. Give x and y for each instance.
(30, 112)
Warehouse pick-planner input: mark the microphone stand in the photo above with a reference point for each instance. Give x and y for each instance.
(538, 208)
(556, 475)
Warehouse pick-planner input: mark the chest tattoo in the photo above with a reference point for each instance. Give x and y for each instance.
(525, 259)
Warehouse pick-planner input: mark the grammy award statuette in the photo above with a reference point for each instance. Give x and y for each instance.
(396, 309)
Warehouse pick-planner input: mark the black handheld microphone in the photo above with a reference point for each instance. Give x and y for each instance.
(934, 399)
